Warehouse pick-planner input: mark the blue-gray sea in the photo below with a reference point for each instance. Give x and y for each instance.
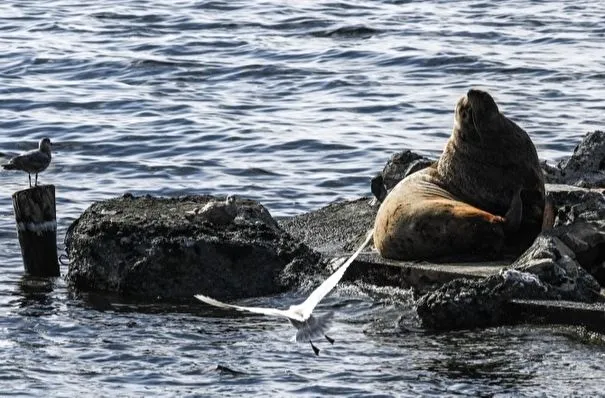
(295, 103)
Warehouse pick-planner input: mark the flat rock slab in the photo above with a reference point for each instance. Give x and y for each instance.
(590, 315)
(371, 268)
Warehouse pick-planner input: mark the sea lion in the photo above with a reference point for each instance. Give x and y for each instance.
(482, 198)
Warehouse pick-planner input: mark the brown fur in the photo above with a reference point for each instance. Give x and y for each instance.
(485, 193)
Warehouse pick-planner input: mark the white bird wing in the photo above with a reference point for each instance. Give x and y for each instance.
(256, 310)
(322, 290)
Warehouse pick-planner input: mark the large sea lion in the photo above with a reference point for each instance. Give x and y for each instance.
(484, 196)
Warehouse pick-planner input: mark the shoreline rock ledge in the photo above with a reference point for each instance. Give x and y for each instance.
(173, 248)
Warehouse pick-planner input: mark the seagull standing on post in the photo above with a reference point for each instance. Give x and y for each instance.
(300, 316)
(34, 161)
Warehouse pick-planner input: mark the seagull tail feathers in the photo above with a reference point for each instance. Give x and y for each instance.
(314, 327)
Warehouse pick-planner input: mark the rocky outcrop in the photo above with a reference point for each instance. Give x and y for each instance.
(585, 167)
(399, 166)
(178, 247)
(555, 267)
(174, 248)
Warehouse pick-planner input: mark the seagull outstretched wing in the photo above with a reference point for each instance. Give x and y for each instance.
(322, 290)
(300, 312)
(256, 310)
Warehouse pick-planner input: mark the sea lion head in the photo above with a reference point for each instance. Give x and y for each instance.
(476, 115)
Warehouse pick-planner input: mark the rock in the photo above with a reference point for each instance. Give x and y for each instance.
(551, 269)
(159, 247)
(586, 167)
(399, 166)
(587, 241)
(334, 228)
(573, 203)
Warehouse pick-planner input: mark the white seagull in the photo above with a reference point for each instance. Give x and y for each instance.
(34, 161)
(300, 315)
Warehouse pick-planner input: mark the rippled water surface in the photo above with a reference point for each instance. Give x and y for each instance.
(296, 104)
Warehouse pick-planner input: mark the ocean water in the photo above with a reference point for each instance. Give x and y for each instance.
(296, 104)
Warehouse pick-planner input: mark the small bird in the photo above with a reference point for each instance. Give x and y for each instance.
(308, 326)
(34, 161)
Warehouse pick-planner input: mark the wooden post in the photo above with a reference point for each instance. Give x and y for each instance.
(36, 216)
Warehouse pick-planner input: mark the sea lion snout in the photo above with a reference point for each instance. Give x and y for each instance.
(485, 114)
(464, 123)
(482, 103)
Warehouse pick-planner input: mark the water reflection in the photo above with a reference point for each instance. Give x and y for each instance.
(36, 293)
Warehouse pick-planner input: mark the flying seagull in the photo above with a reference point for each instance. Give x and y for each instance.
(300, 315)
(34, 161)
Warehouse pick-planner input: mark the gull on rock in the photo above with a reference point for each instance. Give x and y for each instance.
(301, 315)
(34, 161)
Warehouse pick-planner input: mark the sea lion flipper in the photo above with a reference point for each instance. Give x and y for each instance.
(378, 188)
(549, 214)
(514, 215)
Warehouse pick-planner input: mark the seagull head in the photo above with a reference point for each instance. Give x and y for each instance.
(44, 145)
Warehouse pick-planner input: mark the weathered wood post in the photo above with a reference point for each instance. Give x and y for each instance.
(36, 216)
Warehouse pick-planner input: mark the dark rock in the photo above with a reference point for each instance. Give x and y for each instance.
(572, 204)
(332, 229)
(399, 166)
(548, 270)
(587, 242)
(168, 248)
(588, 317)
(586, 166)
(587, 163)
(378, 189)
(552, 174)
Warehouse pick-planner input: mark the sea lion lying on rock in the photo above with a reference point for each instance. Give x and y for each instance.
(482, 198)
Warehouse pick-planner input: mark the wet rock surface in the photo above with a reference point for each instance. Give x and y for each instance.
(553, 268)
(174, 248)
